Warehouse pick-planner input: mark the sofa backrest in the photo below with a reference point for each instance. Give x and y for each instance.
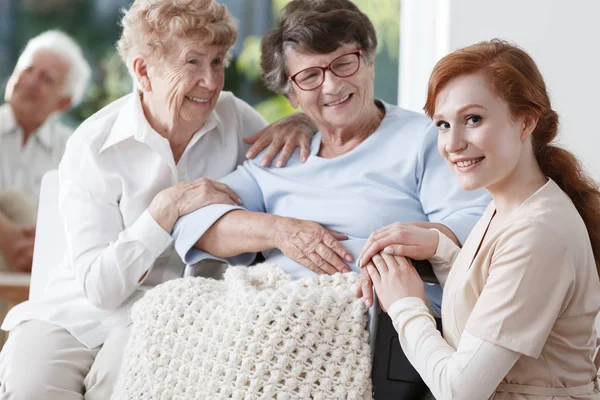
(50, 242)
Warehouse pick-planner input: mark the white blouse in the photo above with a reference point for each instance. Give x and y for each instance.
(114, 165)
(22, 166)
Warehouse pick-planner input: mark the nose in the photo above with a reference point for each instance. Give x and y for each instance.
(455, 140)
(210, 80)
(331, 83)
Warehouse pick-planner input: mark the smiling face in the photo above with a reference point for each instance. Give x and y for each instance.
(338, 102)
(480, 139)
(182, 88)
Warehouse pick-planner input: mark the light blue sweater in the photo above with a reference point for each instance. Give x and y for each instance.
(396, 174)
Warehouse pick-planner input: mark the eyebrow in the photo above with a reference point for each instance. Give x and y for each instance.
(195, 53)
(462, 110)
(200, 55)
(50, 74)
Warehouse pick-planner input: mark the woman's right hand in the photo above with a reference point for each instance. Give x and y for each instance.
(186, 197)
(311, 245)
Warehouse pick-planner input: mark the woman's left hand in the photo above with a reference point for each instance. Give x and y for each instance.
(394, 278)
(295, 130)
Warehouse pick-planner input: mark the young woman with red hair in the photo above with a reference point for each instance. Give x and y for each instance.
(521, 296)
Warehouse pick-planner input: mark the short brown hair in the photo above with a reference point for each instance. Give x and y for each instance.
(313, 26)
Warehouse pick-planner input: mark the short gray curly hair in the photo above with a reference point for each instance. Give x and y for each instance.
(149, 24)
(313, 26)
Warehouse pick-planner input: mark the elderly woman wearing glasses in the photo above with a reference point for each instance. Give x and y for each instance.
(370, 164)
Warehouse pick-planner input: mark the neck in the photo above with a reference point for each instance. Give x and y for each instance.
(526, 179)
(338, 141)
(29, 124)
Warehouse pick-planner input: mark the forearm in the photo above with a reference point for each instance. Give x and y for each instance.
(238, 232)
(449, 373)
(6, 226)
(443, 259)
(440, 227)
(111, 271)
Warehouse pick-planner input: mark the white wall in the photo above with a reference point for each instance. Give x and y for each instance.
(562, 36)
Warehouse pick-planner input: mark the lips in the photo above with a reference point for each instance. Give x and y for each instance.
(340, 101)
(197, 99)
(468, 163)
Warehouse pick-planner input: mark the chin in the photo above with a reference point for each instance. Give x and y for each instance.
(470, 184)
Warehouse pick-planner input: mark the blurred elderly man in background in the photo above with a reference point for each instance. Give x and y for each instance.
(50, 77)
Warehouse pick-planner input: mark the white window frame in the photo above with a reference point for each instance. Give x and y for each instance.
(424, 39)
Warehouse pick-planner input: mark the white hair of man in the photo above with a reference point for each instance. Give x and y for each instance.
(63, 45)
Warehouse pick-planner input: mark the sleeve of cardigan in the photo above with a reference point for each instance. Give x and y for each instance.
(450, 374)
(444, 257)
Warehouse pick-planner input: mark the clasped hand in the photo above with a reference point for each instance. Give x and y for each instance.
(384, 265)
(17, 247)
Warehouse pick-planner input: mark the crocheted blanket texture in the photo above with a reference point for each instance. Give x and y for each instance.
(256, 334)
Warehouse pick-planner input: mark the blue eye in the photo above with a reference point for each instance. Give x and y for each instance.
(473, 119)
(442, 125)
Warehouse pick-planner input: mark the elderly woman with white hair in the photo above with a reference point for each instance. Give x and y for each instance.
(50, 77)
(128, 173)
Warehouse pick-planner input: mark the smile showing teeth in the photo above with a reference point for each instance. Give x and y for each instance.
(196, 99)
(468, 163)
(340, 101)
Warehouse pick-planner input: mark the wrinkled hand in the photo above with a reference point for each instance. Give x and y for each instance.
(399, 239)
(295, 130)
(313, 246)
(17, 248)
(394, 278)
(186, 197)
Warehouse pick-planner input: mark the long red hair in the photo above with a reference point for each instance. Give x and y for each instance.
(514, 76)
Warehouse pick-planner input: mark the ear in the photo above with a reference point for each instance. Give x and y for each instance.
(140, 69)
(528, 126)
(293, 98)
(64, 104)
(372, 68)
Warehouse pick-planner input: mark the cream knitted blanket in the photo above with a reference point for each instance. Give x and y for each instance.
(256, 334)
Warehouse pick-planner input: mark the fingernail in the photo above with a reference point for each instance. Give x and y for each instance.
(359, 263)
(240, 200)
(263, 163)
(279, 164)
(388, 250)
(248, 154)
(348, 258)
